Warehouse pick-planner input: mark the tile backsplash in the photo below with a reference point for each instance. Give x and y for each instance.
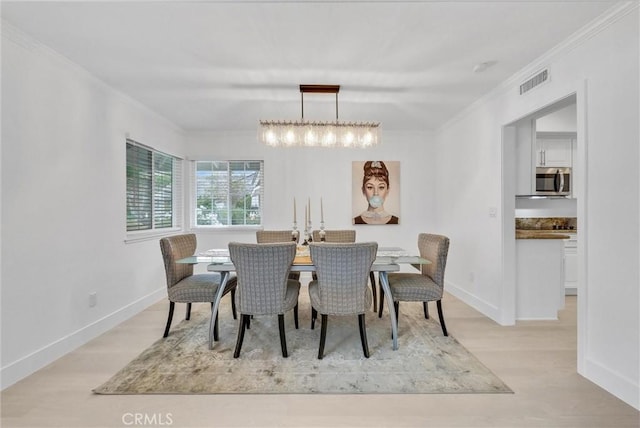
(547, 223)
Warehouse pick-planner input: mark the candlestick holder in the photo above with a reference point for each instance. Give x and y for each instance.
(309, 232)
(294, 232)
(322, 232)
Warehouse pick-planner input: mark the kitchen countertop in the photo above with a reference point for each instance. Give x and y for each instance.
(543, 234)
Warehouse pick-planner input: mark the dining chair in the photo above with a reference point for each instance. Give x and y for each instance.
(185, 287)
(341, 288)
(346, 235)
(273, 236)
(426, 286)
(264, 287)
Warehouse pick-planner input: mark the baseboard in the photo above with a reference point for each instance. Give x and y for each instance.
(480, 305)
(44, 356)
(627, 390)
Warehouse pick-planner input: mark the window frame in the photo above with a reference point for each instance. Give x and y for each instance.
(177, 196)
(193, 196)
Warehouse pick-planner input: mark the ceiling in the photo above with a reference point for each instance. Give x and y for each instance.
(223, 65)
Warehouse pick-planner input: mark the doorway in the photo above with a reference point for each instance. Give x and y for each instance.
(517, 164)
(555, 145)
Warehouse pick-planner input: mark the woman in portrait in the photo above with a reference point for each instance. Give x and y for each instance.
(375, 188)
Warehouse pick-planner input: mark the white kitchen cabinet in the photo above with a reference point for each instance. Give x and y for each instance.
(571, 266)
(539, 281)
(553, 151)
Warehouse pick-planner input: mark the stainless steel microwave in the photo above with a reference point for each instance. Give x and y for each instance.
(553, 181)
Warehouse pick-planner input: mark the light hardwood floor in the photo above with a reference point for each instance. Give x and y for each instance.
(536, 359)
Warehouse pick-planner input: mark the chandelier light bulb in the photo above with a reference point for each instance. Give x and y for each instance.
(290, 137)
(310, 137)
(348, 138)
(329, 138)
(270, 137)
(368, 139)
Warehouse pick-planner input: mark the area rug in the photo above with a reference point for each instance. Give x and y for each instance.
(425, 363)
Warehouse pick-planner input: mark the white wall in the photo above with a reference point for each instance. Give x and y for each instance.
(326, 173)
(562, 120)
(601, 67)
(467, 189)
(63, 207)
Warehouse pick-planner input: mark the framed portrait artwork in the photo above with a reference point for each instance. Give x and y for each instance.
(375, 192)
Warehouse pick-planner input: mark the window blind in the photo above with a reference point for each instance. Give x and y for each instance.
(154, 183)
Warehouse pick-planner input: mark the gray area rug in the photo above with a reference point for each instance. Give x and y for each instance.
(425, 363)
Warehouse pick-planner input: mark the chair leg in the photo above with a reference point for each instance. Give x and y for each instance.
(233, 304)
(396, 306)
(188, 316)
(314, 315)
(283, 338)
(374, 290)
(381, 304)
(216, 336)
(444, 328)
(323, 336)
(426, 309)
(172, 305)
(363, 335)
(244, 319)
(215, 326)
(295, 315)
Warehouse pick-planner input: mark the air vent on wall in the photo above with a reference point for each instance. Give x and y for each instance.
(534, 81)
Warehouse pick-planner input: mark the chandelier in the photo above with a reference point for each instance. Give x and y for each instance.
(318, 134)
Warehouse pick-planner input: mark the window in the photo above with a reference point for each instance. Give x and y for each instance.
(154, 197)
(228, 193)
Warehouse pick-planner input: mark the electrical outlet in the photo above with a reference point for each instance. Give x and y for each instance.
(493, 211)
(93, 299)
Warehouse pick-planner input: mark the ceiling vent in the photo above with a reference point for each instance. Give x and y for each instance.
(536, 80)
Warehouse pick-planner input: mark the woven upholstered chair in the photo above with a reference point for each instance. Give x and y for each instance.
(341, 288)
(426, 286)
(264, 287)
(346, 235)
(273, 236)
(185, 287)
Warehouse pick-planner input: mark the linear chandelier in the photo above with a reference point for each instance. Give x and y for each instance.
(318, 134)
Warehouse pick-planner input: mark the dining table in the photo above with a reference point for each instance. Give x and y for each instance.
(388, 259)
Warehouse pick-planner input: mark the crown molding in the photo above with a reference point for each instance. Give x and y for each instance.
(605, 20)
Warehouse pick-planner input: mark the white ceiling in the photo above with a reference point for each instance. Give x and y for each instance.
(223, 65)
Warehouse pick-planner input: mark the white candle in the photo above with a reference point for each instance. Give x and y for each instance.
(306, 222)
(294, 209)
(309, 202)
(321, 211)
